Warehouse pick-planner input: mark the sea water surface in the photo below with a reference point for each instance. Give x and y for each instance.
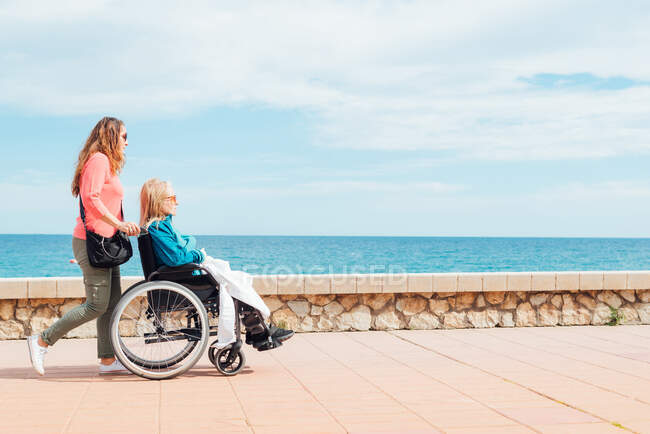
(49, 255)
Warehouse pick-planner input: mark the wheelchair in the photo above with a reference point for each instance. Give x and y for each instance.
(161, 325)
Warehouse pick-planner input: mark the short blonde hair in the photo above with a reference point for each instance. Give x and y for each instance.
(152, 200)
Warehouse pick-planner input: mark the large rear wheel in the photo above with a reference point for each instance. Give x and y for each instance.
(159, 329)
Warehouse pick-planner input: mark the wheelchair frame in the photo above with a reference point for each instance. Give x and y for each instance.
(202, 293)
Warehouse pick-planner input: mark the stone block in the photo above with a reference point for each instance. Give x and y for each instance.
(495, 281)
(630, 315)
(601, 314)
(13, 288)
(344, 284)
(320, 300)
(483, 319)
(643, 309)
(7, 308)
(591, 280)
(507, 320)
(42, 318)
(438, 306)
(369, 283)
(376, 302)
(70, 287)
(543, 281)
(41, 287)
(318, 284)
(299, 307)
(291, 284)
(627, 294)
(285, 318)
(510, 301)
(464, 300)
(324, 324)
(519, 282)
(273, 303)
(495, 297)
(610, 298)
(539, 298)
(307, 325)
(411, 305)
(455, 320)
(392, 283)
(525, 315)
(359, 318)
(567, 281)
(11, 330)
(348, 301)
(638, 280)
(424, 321)
(549, 315)
(615, 280)
(387, 320)
(445, 282)
(420, 283)
(644, 295)
(333, 309)
(266, 284)
(572, 313)
(470, 282)
(586, 301)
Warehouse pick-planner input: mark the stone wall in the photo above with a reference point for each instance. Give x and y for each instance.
(389, 311)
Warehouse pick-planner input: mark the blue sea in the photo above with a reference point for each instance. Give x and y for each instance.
(49, 255)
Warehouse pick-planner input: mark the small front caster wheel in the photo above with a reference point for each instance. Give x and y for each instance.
(225, 361)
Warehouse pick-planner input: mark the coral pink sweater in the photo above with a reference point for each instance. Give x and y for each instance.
(101, 193)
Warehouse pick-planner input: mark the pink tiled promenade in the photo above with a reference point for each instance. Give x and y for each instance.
(560, 380)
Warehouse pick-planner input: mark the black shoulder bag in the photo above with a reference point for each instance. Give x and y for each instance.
(106, 252)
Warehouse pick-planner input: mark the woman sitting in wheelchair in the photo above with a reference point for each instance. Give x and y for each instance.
(157, 206)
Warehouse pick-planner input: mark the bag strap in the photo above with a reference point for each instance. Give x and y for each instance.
(83, 214)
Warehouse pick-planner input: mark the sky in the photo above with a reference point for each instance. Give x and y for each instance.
(404, 118)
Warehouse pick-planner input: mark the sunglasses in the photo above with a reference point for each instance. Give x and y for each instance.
(172, 198)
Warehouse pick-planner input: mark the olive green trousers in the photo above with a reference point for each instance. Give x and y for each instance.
(103, 290)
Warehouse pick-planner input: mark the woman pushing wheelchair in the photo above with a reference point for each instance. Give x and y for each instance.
(157, 206)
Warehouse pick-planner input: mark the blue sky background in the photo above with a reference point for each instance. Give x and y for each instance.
(337, 118)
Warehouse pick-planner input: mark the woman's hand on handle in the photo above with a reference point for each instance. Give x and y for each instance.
(129, 228)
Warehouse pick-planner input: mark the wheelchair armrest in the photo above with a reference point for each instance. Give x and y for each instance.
(182, 272)
(185, 267)
(185, 271)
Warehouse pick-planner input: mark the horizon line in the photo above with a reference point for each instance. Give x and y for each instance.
(387, 236)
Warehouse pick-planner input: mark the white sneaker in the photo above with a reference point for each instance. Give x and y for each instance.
(114, 368)
(36, 354)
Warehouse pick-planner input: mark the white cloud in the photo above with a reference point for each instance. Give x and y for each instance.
(414, 75)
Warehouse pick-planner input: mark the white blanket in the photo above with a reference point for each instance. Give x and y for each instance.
(233, 284)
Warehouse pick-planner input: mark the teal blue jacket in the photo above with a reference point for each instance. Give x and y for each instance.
(171, 248)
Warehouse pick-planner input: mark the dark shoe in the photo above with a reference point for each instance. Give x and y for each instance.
(267, 345)
(279, 334)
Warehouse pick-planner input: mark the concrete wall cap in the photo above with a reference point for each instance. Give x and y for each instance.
(270, 284)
